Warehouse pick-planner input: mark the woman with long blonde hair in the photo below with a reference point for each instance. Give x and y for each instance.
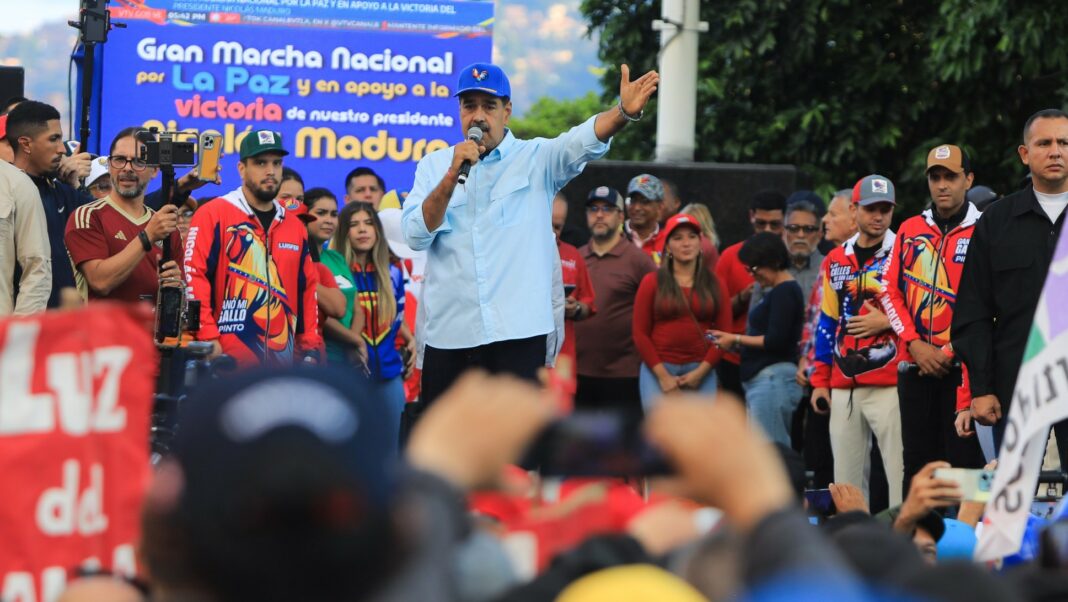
(709, 238)
(373, 284)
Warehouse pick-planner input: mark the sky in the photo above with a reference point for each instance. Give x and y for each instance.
(24, 17)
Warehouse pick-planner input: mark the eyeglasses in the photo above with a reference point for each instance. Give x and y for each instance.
(763, 224)
(795, 228)
(120, 163)
(602, 209)
(752, 269)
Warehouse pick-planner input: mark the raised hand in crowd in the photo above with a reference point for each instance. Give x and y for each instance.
(508, 413)
(848, 498)
(746, 479)
(926, 493)
(986, 409)
(664, 527)
(869, 324)
(930, 359)
(162, 223)
(971, 512)
(75, 168)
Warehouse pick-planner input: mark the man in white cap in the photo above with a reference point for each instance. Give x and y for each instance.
(99, 181)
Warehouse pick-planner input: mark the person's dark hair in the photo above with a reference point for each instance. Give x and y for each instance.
(669, 294)
(29, 119)
(288, 173)
(8, 104)
(672, 186)
(768, 200)
(364, 171)
(312, 195)
(1043, 114)
(965, 162)
(123, 133)
(765, 250)
(805, 206)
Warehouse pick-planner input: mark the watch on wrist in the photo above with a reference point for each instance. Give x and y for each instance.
(627, 116)
(146, 244)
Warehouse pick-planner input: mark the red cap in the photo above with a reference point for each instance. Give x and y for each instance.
(3, 127)
(301, 211)
(673, 223)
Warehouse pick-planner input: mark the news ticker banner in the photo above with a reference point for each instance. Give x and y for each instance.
(1039, 401)
(75, 402)
(346, 82)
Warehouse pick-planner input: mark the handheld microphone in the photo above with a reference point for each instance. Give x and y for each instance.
(473, 133)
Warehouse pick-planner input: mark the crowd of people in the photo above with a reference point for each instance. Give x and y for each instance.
(432, 344)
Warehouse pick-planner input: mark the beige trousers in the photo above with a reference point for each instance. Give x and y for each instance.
(875, 410)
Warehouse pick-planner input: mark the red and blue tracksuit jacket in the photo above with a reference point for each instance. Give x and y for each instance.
(922, 278)
(842, 360)
(256, 289)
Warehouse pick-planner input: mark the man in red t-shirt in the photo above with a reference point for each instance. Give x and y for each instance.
(578, 290)
(116, 242)
(767, 213)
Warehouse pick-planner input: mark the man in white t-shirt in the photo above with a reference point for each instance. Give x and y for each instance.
(1004, 272)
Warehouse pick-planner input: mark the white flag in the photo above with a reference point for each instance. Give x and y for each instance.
(1039, 401)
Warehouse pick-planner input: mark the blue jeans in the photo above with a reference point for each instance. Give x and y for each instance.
(649, 384)
(392, 393)
(772, 396)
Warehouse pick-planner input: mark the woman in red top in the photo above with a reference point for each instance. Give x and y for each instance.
(674, 307)
(318, 211)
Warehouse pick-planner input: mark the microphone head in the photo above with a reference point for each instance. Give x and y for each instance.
(474, 133)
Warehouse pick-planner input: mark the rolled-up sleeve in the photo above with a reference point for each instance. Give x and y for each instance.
(569, 152)
(33, 252)
(416, 234)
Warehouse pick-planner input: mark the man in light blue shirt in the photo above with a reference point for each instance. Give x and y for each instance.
(488, 289)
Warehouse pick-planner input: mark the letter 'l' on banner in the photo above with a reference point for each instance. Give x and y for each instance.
(1039, 401)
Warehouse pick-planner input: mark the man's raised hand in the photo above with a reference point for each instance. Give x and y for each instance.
(634, 94)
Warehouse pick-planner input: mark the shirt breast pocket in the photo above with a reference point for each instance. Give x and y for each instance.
(509, 200)
(7, 218)
(1013, 267)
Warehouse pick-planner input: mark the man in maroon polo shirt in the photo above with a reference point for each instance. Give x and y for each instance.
(607, 360)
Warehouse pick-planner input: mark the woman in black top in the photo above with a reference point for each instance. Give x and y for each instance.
(769, 349)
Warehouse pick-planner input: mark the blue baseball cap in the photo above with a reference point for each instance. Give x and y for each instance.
(483, 77)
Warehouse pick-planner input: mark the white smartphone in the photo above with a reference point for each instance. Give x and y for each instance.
(974, 483)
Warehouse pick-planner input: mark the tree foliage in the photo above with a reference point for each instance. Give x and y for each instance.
(842, 89)
(549, 116)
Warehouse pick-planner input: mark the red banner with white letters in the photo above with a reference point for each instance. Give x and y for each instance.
(75, 403)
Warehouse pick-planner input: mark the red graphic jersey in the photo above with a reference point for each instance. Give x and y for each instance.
(102, 229)
(922, 277)
(256, 289)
